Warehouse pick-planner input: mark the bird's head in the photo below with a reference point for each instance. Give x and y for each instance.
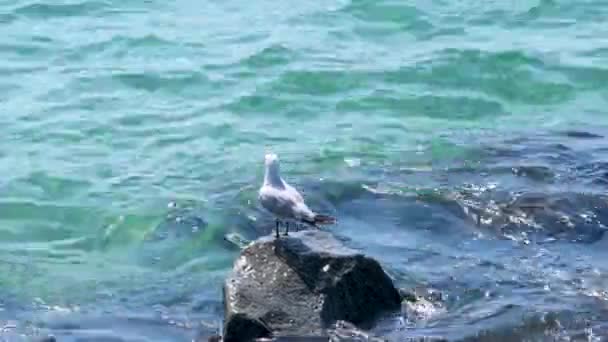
(271, 159)
(272, 173)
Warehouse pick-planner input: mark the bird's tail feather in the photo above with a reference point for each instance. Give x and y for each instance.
(320, 219)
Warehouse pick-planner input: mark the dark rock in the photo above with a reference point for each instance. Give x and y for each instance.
(215, 338)
(302, 284)
(241, 325)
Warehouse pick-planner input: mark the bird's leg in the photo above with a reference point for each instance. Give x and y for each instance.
(286, 228)
(277, 228)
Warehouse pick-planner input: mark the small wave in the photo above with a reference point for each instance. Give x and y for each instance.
(601, 52)
(128, 42)
(456, 31)
(377, 20)
(45, 11)
(258, 104)
(316, 82)
(270, 57)
(130, 52)
(383, 11)
(433, 106)
(153, 81)
(577, 134)
(586, 77)
(595, 172)
(7, 18)
(587, 11)
(24, 49)
(13, 70)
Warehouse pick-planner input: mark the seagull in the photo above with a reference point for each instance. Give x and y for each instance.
(283, 201)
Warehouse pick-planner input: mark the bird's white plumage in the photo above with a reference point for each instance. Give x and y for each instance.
(280, 198)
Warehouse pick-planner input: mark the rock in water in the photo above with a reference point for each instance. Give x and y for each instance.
(301, 284)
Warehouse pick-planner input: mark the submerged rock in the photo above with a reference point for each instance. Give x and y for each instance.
(300, 285)
(343, 331)
(236, 240)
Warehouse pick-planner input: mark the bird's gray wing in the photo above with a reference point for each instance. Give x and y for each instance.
(277, 201)
(294, 193)
(283, 203)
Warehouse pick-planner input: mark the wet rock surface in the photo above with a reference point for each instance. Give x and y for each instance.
(300, 285)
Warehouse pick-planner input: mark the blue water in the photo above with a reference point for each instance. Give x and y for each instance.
(461, 143)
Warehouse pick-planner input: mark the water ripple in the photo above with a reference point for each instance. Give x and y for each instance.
(47, 11)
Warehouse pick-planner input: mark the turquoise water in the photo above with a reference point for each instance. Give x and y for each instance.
(133, 134)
